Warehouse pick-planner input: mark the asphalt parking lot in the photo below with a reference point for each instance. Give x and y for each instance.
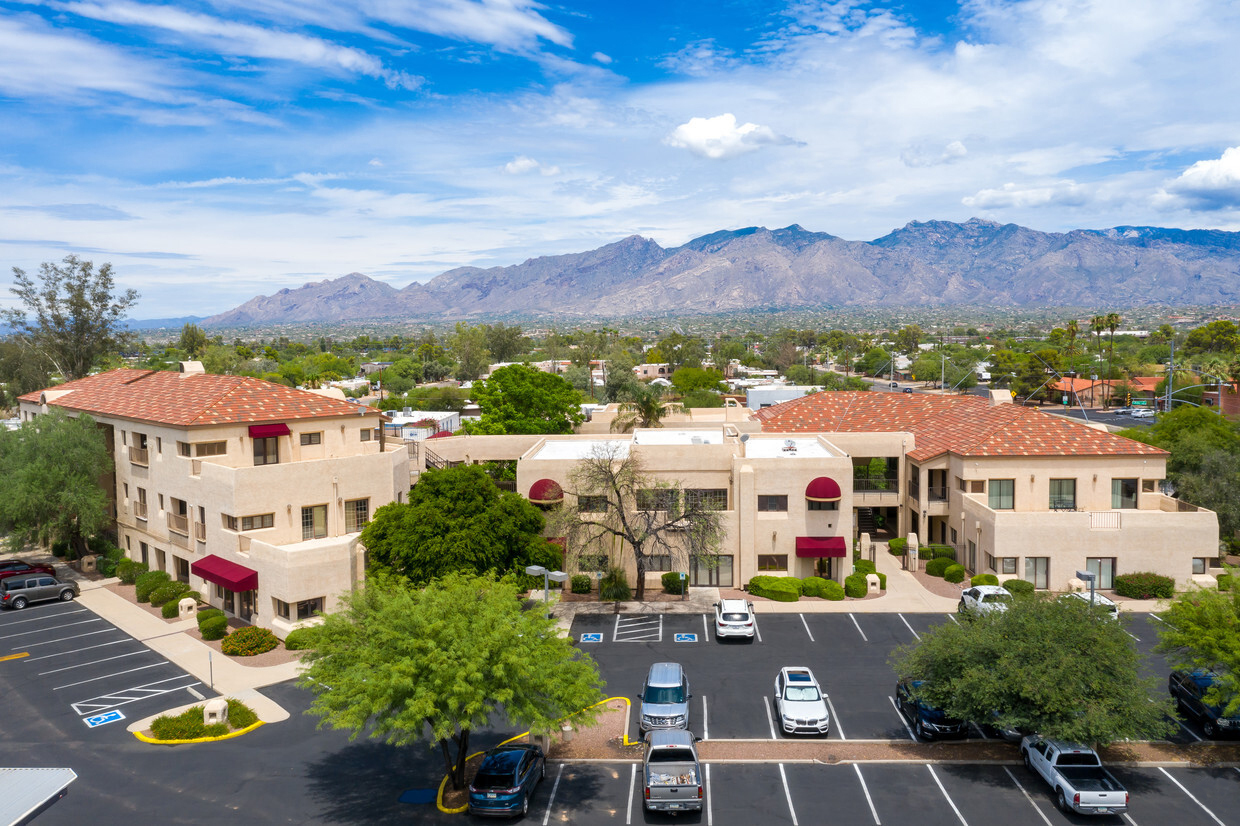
(79, 672)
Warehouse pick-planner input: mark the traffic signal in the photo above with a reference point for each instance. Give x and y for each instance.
(1128, 399)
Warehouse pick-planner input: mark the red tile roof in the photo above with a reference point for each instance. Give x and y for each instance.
(964, 425)
(192, 399)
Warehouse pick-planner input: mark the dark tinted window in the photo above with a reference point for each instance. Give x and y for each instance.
(491, 780)
(664, 694)
(1069, 759)
(47, 580)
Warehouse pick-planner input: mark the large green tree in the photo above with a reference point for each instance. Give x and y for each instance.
(51, 469)
(71, 315)
(408, 665)
(520, 399)
(456, 519)
(1202, 630)
(1057, 667)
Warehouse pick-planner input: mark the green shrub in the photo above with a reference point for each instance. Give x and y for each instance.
(300, 639)
(778, 588)
(1019, 587)
(145, 584)
(925, 552)
(833, 590)
(1145, 585)
(984, 579)
(954, 573)
(944, 552)
(673, 584)
(614, 586)
(855, 586)
(939, 566)
(170, 590)
(240, 715)
(1224, 582)
(186, 726)
(581, 584)
(249, 641)
(60, 549)
(129, 571)
(171, 608)
(106, 567)
(814, 586)
(206, 614)
(214, 628)
(864, 566)
(897, 546)
(882, 580)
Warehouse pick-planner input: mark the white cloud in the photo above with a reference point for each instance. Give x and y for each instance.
(699, 59)
(920, 156)
(720, 137)
(1059, 193)
(522, 164)
(599, 57)
(511, 25)
(1210, 184)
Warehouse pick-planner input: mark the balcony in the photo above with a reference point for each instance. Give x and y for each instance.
(882, 485)
(138, 456)
(936, 493)
(139, 510)
(200, 531)
(178, 523)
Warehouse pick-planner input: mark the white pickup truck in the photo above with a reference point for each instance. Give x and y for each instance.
(673, 777)
(1076, 774)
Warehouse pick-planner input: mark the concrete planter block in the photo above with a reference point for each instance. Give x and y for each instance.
(566, 733)
(872, 583)
(215, 711)
(89, 563)
(187, 608)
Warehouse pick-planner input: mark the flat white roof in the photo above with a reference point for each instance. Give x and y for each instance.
(577, 449)
(778, 448)
(663, 436)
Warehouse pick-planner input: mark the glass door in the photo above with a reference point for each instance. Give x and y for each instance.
(716, 576)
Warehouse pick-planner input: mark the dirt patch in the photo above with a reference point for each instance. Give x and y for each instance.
(459, 798)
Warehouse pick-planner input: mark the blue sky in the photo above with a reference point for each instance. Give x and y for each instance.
(217, 150)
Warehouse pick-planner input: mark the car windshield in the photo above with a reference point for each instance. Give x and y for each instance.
(1003, 598)
(734, 617)
(664, 694)
(801, 694)
(490, 780)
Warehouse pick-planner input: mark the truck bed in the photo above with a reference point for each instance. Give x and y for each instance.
(1090, 779)
(672, 774)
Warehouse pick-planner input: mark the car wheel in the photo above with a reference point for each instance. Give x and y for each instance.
(1028, 762)
(542, 772)
(1062, 801)
(1209, 729)
(66, 595)
(19, 603)
(919, 731)
(960, 609)
(525, 805)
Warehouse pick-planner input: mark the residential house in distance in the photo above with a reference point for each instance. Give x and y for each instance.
(251, 492)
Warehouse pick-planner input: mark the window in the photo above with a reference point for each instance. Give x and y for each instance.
(282, 609)
(159, 444)
(772, 503)
(311, 439)
(183, 449)
(314, 522)
(960, 485)
(976, 485)
(140, 440)
(591, 504)
(366, 433)
(659, 562)
(307, 608)
(126, 490)
(592, 563)
(1002, 493)
(953, 536)
(971, 562)
(990, 562)
(146, 553)
(356, 515)
(1103, 569)
(230, 522)
(1037, 570)
(1007, 564)
(267, 451)
(1063, 494)
(1123, 493)
(706, 499)
(211, 449)
(254, 523)
(1149, 486)
(1199, 565)
(772, 562)
(139, 508)
(657, 499)
(161, 501)
(823, 506)
(181, 566)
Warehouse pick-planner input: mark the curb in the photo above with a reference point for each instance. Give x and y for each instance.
(228, 736)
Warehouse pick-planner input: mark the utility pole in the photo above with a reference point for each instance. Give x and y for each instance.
(1170, 378)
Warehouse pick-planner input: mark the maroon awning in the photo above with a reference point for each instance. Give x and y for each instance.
(818, 546)
(230, 575)
(439, 434)
(823, 489)
(264, 431)
(546, 492)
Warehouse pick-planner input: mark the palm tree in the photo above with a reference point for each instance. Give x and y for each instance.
(1073, 328)
(645, 408)
(1112, 321)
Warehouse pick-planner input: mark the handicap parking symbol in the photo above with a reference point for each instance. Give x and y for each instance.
(686, 637)
(595, 637)
(103, 719)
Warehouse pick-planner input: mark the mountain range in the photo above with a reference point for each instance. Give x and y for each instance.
(930, 264)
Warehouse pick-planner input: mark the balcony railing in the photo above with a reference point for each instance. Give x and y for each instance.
(178, 523)
(138, 456)
(139, 510)
(876, 485)
(936, 493)
(200, 531)
(1104, 520)
(179, 540)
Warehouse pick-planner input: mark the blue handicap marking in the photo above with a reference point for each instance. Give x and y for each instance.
(103, 719)
(686, 638)
(596, 637)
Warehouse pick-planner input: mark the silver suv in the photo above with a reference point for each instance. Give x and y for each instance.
(20, 591)
(665, 699)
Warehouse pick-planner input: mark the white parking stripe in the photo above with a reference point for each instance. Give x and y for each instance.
(770, 721)
(938, 783)
(94, 662)
(44, 619)
(554, 786)
(756, 629)
(62, 639)
(616, 633)
(117, 674)
(1032, 802)
(1128, 817)
(788, 794)
(1134, 636)
(835, 717)
(53, 628)
(1160, 619)
(705, 628)
(103, 702)
(806, 624)
(903, 722)
(868, 799)
(628, 813)
(859, 631)
(79, 650)
(909, 627)
(953, 619)
(1213, 816)
(710, 809)
(705, 727)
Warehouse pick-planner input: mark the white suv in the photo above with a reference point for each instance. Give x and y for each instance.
(1102, 603)
(734, 618)
(983, 599)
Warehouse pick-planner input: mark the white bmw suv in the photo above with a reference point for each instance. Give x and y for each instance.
(734, 618)
(983, 599)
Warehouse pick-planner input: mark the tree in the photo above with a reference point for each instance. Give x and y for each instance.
(505, 343)
(520, 399)
(469, 345)
(193, 340)
(644, 407)
(645, 515)
(406, 665)
(1057, 667)
(688, 379)
(456, 520)
(72, 316)
(1203, 631)
(1112, 321)
(50, 469)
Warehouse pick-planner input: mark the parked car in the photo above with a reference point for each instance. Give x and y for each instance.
(665, 698)
(19, 591)
(984, 599)
(672, 776)
(908, 390)
(800, 703)
(1076, 775)
(1142, 413)
(13, 567)
(895, 384)
(734, 618)
(1189, 689)
(1120, 411)
(928, 723)
(1102, 603)
(506, 780)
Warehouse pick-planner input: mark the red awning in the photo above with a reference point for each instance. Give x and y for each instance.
(264, 431)
(230, 575)
(823, 489)
(817, 546)
(439, 434)
(546, 492)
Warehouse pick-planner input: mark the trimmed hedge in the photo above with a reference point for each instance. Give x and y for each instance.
(814, 586)
(1145, 585)
(249, 641)
(129, 570)
(897, 546)
(1019, 587)
(214, 627)
(614, 586)
(938, 567)
(984, 579)
(299, 639)
(833, 590)
(581, 584)
(778, 588)
(169, 590)
(954, 573)
(1224, 582)
(864, 566)
(934, 551)
(882, 580)
(206, 614)
(855, 586)
(146, 584)
(240, 715)
(673, 584)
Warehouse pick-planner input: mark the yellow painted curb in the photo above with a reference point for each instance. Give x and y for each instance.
(228, 736)
(465, 808)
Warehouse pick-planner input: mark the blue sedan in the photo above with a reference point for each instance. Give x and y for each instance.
(506, 780)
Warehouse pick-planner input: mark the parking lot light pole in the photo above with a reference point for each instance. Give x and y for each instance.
(1090, 577)
(538, 570)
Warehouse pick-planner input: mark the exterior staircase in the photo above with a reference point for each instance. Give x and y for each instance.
(865, 521)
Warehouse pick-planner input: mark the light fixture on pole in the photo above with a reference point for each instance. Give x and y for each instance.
(1090, 577)
(538, 570)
